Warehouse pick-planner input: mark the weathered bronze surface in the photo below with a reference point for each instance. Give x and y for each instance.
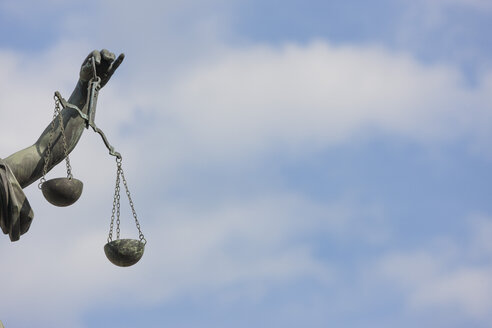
(26, 166)
(124, 252)
(15, 212)
(62, 191)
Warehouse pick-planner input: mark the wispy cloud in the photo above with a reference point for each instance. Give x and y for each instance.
(446, 275)
(185, 107)
(232, 108)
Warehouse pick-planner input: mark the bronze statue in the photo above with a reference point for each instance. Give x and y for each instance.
(22, 168)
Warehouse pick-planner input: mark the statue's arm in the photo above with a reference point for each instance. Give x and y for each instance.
(27, 164)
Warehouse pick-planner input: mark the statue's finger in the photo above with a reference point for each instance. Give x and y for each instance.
(86, 71)
(97, 57)
(112, 68)
(91, 54)
(106, 61)
(107, 55)
(116, 64)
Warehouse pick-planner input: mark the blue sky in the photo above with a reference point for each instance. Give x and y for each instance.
(293, 163)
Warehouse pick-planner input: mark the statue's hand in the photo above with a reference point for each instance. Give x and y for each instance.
(106, 65)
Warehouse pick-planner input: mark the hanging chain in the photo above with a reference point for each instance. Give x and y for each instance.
(116, 205)
(47, 158)
(116, 208)
(140, 234)
(65, 147)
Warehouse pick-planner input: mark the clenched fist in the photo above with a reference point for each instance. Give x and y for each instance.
(106, 64)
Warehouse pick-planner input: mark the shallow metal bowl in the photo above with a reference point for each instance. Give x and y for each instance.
(124, 252)
(62, 191)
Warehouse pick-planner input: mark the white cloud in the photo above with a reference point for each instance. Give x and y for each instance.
(301, 98)
(466, 290)
(59, 267)
(219, 99)
(244, 102)
(236, 107)
(226, 105)
(27, 86)
(453, 277)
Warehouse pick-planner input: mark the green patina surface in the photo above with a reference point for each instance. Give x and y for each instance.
(62, 191)
(124, 252)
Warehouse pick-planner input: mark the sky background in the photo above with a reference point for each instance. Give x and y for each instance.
(293, 163)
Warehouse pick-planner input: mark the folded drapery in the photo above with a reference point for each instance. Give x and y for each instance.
(15, 212)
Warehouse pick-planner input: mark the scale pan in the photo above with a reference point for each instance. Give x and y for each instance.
(124, 252)
(62, 191)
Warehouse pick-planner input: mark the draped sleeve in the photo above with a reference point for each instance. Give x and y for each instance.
(15, 212)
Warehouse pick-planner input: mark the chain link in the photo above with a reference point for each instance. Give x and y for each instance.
(116, 205)
(140, 234)
(50, 140)
(47, 158)
(65, 147)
